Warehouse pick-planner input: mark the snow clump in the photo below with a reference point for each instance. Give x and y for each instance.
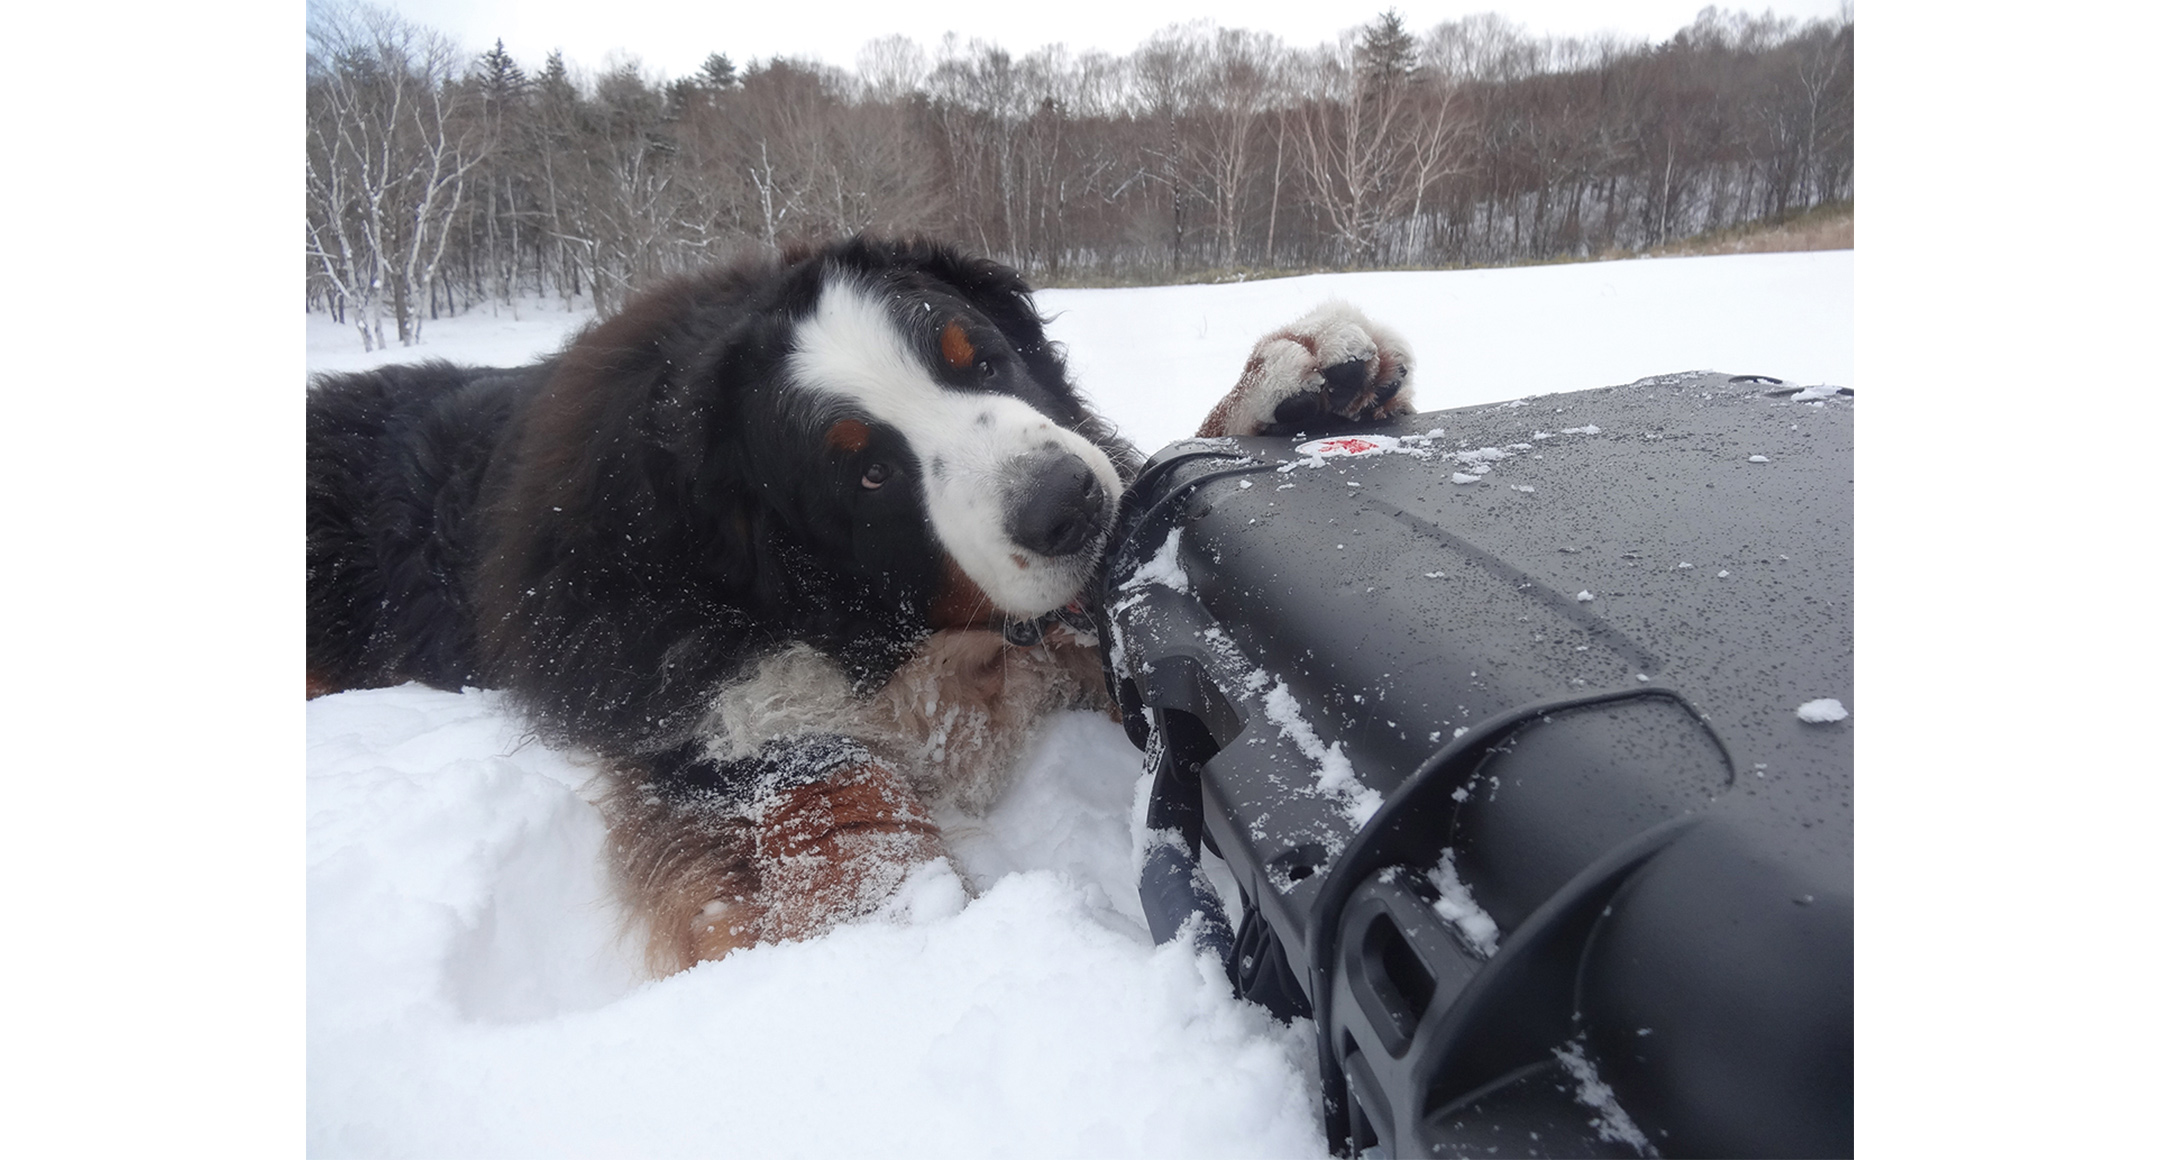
(1612, 1121)
(1461, 911)
(1335, 775)
(1163, 567)
(1822, 711)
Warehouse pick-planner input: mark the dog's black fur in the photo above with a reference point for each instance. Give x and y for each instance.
(611, 534)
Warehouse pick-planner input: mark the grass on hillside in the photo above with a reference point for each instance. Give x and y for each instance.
(1823, 227)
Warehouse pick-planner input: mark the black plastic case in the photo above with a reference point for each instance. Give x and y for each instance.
(1496, 717)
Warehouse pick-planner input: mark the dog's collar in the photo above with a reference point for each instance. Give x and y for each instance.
(1029, 633)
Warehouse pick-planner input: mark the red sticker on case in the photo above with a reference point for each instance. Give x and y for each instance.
(1348, 445)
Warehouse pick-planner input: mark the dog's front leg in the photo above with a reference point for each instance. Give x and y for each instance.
(837, 848)
(717, 856)
(1332, 368)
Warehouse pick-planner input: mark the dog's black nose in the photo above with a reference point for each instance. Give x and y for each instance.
(1056, 505)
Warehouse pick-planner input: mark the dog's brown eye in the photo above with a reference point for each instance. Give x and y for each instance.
(875, 475)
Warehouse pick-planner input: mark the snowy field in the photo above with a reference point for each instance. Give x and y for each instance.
(468, 994)
(1157, 358)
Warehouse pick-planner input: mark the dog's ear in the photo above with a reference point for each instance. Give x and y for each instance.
(601, 590)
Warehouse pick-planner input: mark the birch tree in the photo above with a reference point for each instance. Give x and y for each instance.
(388, 154)
(1240, 78)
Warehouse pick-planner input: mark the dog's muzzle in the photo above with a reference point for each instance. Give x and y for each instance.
(1056, 505)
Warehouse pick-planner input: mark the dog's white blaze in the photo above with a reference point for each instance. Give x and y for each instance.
(966, 443)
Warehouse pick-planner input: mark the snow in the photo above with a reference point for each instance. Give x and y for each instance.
(1332, 772)
(1163, 567)
(470, 993)
(1458, 909)
(1823, 711)
(1156, 359)
(1612, 1122)
(492, 335)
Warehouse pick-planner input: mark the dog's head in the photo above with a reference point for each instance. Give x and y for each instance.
(939, 405)
(846, 446)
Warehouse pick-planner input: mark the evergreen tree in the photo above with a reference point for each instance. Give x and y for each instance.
(683, 95)
(1387, 53)
(554, 82)
(500, 77)
(718, 74)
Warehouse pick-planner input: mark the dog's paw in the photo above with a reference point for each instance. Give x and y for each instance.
(1332, 368)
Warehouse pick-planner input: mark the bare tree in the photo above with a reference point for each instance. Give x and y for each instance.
(1167, 72)
(891, 68)
(388, 153)
(1376, 136)
(628, 186)
(1240, 78)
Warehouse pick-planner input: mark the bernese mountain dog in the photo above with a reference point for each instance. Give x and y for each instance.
(795, 548)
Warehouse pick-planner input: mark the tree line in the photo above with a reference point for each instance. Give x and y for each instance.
(437, 178)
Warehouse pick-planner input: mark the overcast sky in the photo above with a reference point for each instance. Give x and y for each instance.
(672, 37)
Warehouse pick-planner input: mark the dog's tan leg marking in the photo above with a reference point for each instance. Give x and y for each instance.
(837, 849)
(794, 864)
